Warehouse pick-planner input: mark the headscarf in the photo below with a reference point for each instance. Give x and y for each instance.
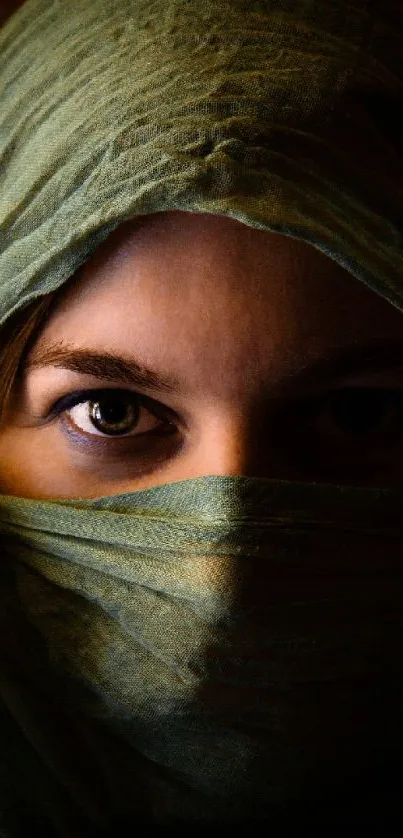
(221, 648)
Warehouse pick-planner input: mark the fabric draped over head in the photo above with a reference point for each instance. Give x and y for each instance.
(274, 112)
(224, 647)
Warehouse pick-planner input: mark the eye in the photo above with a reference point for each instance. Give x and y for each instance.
(110, 413)
(361, 425)
(350, 435)
(362, 415)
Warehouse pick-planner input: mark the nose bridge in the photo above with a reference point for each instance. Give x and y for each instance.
(232, 444)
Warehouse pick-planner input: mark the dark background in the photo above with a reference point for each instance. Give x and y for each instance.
(7, 8)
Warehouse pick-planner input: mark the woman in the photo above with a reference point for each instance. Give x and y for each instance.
(200, 439)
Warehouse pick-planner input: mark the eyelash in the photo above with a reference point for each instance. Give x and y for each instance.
(81, 397)
(292, 422)
(346, 397)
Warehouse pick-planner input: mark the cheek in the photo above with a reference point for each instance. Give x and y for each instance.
(12, 467)
(27, 468)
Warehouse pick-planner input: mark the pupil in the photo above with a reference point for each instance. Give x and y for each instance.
(117, 414)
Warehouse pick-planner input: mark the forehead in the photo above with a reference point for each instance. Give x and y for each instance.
(184, 283)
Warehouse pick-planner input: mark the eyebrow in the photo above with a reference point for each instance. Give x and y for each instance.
(338, 362)
(103, 365)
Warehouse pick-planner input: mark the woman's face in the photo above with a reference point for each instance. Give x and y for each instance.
(233, 318)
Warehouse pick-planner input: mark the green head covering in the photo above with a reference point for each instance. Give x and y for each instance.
(222, 648)
(282, 114)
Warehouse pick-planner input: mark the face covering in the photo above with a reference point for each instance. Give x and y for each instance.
(217, 649)
(222, 649)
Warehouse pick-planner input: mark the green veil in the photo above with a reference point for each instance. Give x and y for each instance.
(220, 649)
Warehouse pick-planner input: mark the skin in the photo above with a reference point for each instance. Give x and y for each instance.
(230, 311)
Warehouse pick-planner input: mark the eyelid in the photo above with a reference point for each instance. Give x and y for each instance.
(104, 443)
(91, 394)
(76, 397)
(388, 379)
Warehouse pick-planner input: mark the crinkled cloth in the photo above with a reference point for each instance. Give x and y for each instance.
(224, 648)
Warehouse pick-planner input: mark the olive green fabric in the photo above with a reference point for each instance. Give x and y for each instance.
(283, 114)
(212, 650)
(224, 648)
